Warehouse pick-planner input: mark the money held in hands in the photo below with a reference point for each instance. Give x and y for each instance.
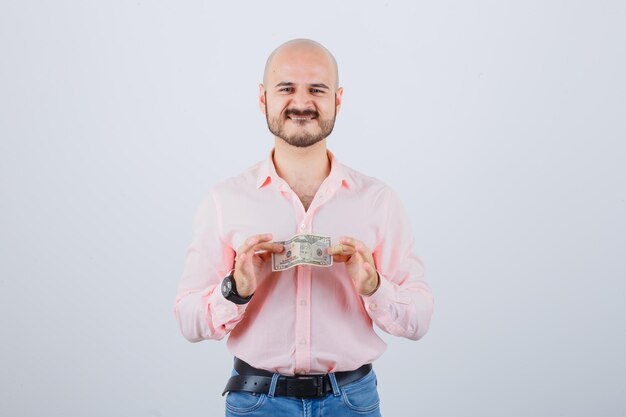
(303, 250)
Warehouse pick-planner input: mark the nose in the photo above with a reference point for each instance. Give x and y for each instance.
(301, 100)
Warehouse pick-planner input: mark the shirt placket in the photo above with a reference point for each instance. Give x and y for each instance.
(303, 286)
(303, 303)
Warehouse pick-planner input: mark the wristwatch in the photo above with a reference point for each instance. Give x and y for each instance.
(229, 291)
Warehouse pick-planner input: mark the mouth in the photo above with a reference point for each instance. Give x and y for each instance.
(300, 118)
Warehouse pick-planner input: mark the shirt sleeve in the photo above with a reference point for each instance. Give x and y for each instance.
(200, 309)
(403, 304)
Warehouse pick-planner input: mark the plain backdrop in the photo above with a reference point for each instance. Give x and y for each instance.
(500, 124)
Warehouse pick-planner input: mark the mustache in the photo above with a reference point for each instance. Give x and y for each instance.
(306, 113)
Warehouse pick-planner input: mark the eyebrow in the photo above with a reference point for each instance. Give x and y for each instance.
(290, 84)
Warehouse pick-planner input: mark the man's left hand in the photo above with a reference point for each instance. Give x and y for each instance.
(359, 263)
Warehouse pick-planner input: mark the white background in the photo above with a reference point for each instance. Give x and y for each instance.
(500, 124)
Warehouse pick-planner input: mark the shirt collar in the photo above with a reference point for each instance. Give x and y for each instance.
(337, 178)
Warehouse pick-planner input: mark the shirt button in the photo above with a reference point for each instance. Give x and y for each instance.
(373, 306)
(302, 303)
(302, 226)
(303, 341)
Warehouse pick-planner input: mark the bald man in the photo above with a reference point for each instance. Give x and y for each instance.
(302, 338)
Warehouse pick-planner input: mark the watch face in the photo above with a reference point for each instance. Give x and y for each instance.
(226, 287)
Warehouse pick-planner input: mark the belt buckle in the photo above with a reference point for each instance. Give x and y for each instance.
(311, 386)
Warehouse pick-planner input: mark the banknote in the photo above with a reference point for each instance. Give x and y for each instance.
(303, 249)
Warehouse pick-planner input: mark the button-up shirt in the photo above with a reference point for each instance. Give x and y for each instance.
(305, 319)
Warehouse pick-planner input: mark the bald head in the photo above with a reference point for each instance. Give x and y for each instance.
(293, 52)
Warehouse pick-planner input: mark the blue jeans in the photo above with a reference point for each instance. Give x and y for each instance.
(358, 398)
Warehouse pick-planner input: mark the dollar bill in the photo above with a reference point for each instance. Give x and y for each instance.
(303, 249)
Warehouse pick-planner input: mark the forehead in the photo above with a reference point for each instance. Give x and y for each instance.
(305, 66)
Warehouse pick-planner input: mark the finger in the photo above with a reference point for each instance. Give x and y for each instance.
(254, 240)
(340, 258)
(265, 256)
(269, 247)
(357, 245)
(340, 249)
(364, 251)
(350, 241)
(368, 267)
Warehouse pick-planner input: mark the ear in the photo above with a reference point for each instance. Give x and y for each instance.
(262, 102)
(338, 96)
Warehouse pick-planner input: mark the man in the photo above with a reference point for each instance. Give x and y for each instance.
(302, 338)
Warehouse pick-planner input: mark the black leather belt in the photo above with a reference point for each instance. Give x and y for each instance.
(251, 379)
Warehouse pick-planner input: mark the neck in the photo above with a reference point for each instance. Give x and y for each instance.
(301, 166)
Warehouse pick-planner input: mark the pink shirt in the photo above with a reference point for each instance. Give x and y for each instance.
(305, 319)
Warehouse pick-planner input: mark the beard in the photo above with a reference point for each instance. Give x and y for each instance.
(301, 139)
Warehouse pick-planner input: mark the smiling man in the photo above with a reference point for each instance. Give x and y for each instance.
(302, 337)
(301, 114)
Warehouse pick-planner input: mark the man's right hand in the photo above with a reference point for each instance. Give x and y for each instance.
(251, 257)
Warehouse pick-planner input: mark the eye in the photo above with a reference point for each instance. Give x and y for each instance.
(286, 89)
(317, 91)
